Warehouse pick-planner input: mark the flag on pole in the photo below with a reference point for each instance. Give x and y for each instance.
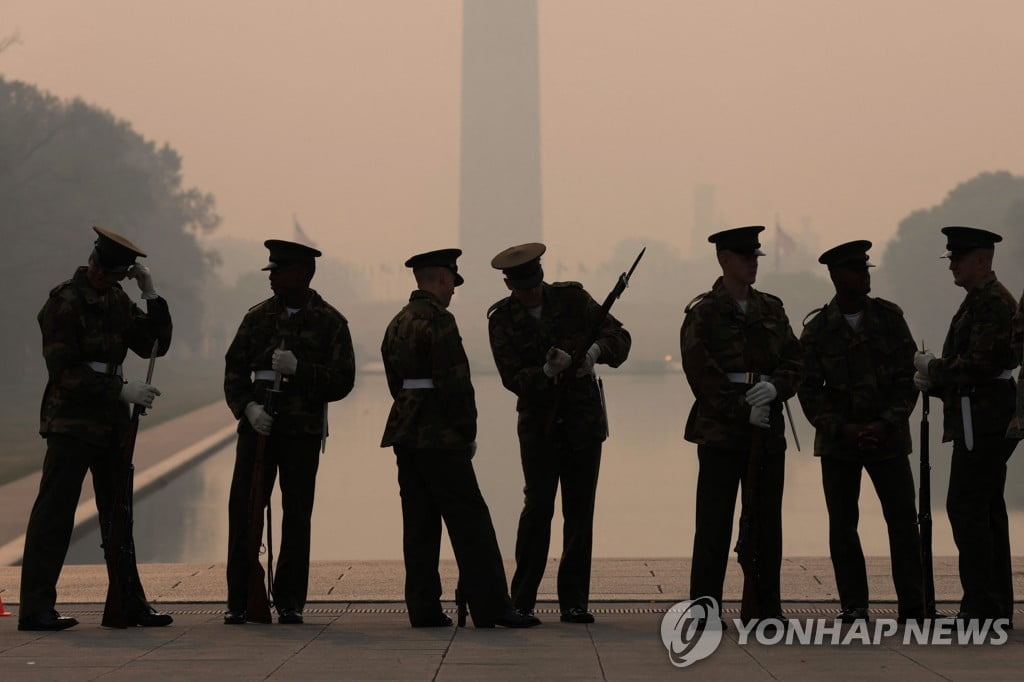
(300, 234)
(785, 244)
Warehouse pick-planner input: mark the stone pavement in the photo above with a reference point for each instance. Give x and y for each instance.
(356, 628)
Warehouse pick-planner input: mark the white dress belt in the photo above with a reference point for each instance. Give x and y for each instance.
(417, 383)
(104, 367)
(263, 375)
(746, 377)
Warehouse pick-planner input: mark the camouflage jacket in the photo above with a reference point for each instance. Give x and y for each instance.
(423, 342)
(1016, 428)
(977, 349)
(856, 376)
(520, 342)
(80, 326)
(318, 335)
(717, 338)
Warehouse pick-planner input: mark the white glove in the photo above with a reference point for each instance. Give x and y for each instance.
(555, 362)
(259, 418)
(284, 361)
(921, 361)
(759, 416)
(139, 393)
(144, 278)
(587, 364)
(762, 393)
(922, 382)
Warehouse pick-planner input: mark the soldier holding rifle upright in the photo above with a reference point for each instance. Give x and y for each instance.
(88, 324)
(317, 366)
(533, 333)
(742, 361)
(858, 392)
(974, 378)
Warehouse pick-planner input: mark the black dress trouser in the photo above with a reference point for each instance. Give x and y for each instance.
(981, 530)
(717, 483)
(548, 464)
(296, 459)
(53, 519)
(438, 484)
(894, 484)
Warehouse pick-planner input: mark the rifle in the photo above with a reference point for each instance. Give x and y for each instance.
(460, 605)
(119, 546)
(749, 535)
(260, 595)
(924, 511)
(593, 333)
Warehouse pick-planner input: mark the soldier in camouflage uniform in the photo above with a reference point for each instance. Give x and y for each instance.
(974, 379)
(858, 392)
(1016, 428)
(317, 366)
(742, 361)
(88, 324)
(432, 428)
(532, 333)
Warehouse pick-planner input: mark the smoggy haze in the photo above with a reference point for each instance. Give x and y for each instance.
(347, 113)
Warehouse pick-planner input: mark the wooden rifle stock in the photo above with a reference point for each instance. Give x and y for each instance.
(119, 546)
(924, 512)
(749, 536)
(260, 586)
(585, 342)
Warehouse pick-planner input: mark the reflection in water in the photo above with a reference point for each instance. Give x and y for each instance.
(645, 499)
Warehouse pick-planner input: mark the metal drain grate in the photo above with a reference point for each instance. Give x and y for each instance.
(818, 611)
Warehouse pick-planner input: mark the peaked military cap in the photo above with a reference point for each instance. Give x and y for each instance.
(851, 254)
(521, 265)
(442, 258)
(114, 252)
(963, 239)
(739, 240)
(283, 253)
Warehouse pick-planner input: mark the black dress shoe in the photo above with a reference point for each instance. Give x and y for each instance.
(514, 618)
(438, 621)
(289, 617)
(232, 617)
(149, 618)
(46, 621)
(853, 615)
(577, 615)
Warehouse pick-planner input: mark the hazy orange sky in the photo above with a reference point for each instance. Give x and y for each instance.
(347, 113)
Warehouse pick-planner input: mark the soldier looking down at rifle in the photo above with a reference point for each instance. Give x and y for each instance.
(742, 361)
(88, 325)
(300, 342)
(974, 378)
(858, 392)
(533, 334)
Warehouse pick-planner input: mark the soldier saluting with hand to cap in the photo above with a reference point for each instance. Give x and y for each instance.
(88, 325)
(974, 379)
